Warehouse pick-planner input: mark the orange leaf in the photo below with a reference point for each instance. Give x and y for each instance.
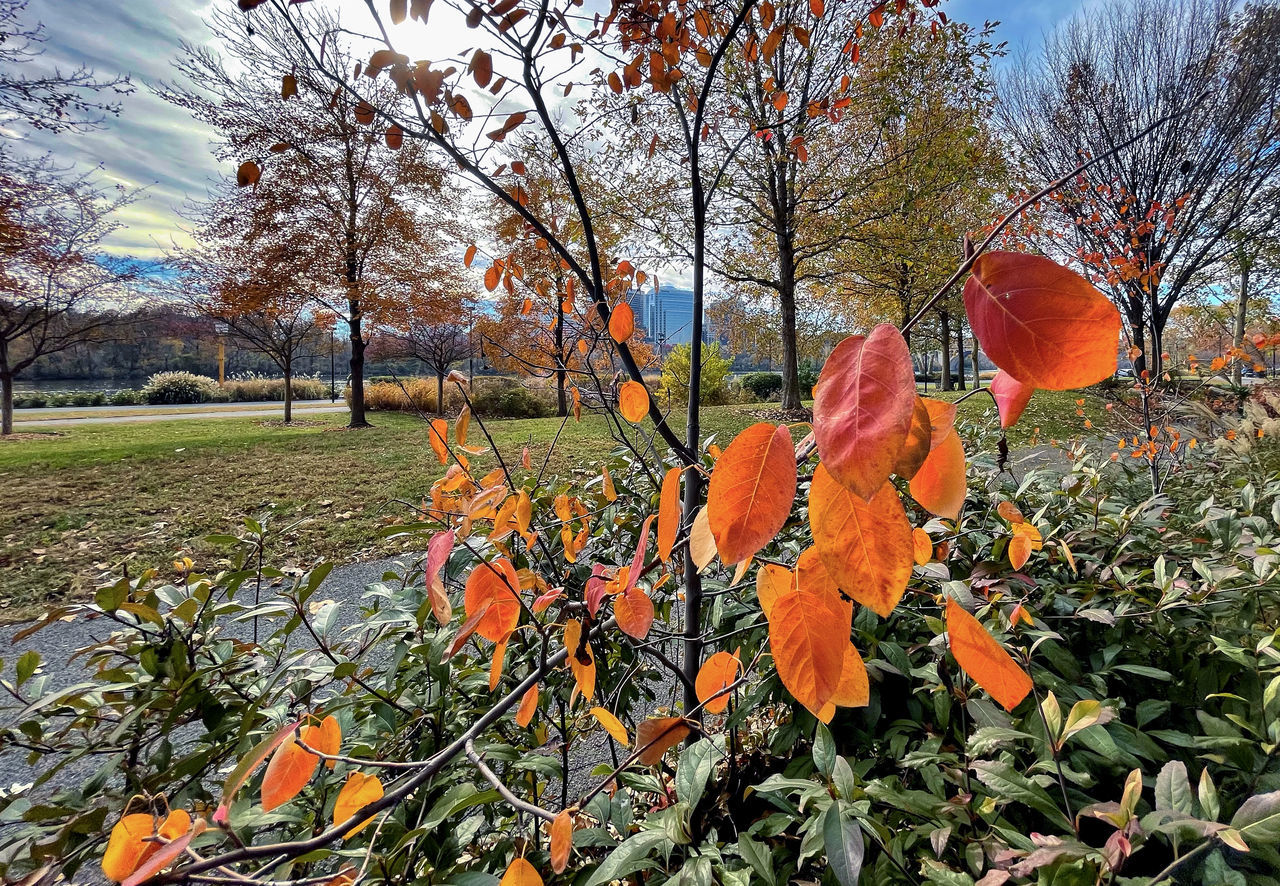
(915, 449)
(1026, 538)
(622, 322)
(658, 734)
(811, 575)
(753, 486)
(394, 137)
(865, 546)
(160, 858)
(528, 706)
(287, 774)
(985, 660)
(584, 668)
(923, 545)
(668, 513)
(359, 791)
(634, 611)
(808, 642)
(482, 67)
(633, 400)
(772, 581)
(716, 674)
(780, 100)
(606, 484)
(1042, 323)
(325, 738)
(1011, 396)
(462, 425)
(939, 485)
(612, 725)
(439, 436)
(863, 408)
(1010, 512)
(942, 419)
(470, 255)
(248, 174)
(248, 763)
(128, 845)
(520, 872)
(854, 689)
(497, 662)
(561, 840)
(493, 585)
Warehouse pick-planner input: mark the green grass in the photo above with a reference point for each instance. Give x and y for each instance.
(94, 499)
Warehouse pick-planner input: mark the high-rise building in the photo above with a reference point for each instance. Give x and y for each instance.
(666, 316)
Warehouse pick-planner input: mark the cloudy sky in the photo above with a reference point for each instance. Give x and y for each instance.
(156, 146)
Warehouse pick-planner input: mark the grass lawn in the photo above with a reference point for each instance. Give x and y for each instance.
(85, 500)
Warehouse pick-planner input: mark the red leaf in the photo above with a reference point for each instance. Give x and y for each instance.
(863, 406)
(1011, 396)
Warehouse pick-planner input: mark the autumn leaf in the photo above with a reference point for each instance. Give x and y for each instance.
(985, 660)
(923, 546)
(915, 449)
(1026, 539)
(520, 872)
(248, 174)
(865, 546)
(656, 735)
(394, 136)
(245, 768)
(808, 643)
(493, 585)
(939, 485)
(752, 488)
(359, 791)
(772, 581)
(634, 611)
(470, 255)
(584, 667)
(496, 663)
(1042, 323)
(1009, 511)
(162, 857)
(668, 513)
(482, 67)
(528, 706)
(702, 543)
(863, 408)
(717, 673)
(127, 846)
(622, 322)
(942, 419)
(1011, 397)
(439, 437)
(438, 550)
(612, 725)
(325, 738)
(561, 840)
(287, 774)
(288, 86)
(633, 401)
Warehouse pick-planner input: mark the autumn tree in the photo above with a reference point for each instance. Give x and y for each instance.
(57, 283)
(1154, 215)
(243, 271)
(347, 191)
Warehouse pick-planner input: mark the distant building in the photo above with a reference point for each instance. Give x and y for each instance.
(665, 315)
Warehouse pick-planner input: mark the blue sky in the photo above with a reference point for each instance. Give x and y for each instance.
(156, 146)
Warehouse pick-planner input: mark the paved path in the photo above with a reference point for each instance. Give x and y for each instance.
(26, 419)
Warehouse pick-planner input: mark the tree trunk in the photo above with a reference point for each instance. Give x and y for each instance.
(960, 373)
(288, 391)
(357, 370)
(787, 302)
(6, 404)
(1242, 310)
(691, 659)
(562, 397)
(977, 366)
(947, 383)
(440, 393)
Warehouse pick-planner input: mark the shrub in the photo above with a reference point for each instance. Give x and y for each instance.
(180, 387)
(30, 401)
(388, 396)
(713, 387)
(88, 398)
(509, 400)
(59, 399)
(126, 397)
(807, 377)
(252, 388)
(764, 385)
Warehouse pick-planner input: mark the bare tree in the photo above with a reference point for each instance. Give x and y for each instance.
(1155, 214)
(51, 100)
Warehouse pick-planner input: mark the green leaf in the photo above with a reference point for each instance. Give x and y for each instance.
(824, 751)
(842, 778)
(1208, 794)
(631, 856)
(1006, 783)
(456, 799)
(694, 770)
(1258, 818)
(27, 664)
(843, 840)
(1173, 790)
(758, 856)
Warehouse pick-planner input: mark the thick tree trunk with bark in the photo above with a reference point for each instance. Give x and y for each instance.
(977, 365)
(6, 404)
(787, 302)
(960, 371)
(358, 419)
(562, 396)
(288, 390)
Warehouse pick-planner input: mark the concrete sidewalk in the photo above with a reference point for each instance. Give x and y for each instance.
(26, 419)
